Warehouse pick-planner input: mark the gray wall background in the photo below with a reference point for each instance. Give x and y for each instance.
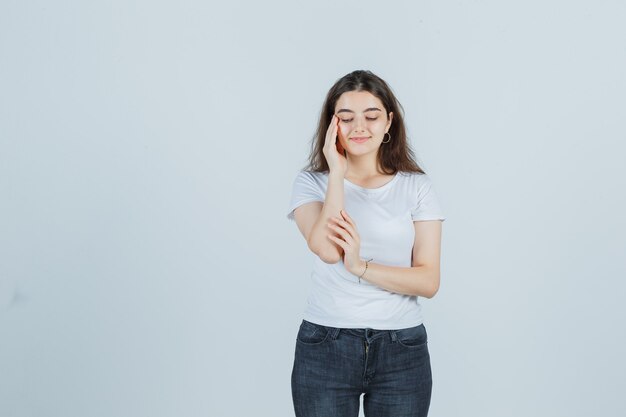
(147, 152)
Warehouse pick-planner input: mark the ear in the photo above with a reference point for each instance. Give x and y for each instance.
(390, 118)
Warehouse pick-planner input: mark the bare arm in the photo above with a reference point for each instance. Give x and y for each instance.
(422, 278)
(313, 218)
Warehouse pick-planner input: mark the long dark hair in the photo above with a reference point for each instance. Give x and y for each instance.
(393, 156)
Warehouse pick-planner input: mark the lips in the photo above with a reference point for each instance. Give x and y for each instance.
(359, 140)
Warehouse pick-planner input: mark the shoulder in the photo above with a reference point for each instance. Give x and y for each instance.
(311, 174)
(311, 181)
(314, 174)
(311, 177)
(415, 178)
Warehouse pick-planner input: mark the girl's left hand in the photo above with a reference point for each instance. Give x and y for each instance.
(348, 239)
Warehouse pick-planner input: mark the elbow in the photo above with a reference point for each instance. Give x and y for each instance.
(431, 290)
(327, 256)
(330, 257)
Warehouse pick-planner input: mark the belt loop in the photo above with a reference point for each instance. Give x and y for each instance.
(334, 332)
(393, 335)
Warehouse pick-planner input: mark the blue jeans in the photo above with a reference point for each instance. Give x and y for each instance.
(334, 366)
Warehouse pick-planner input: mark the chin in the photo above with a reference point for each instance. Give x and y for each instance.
(362, 151)
(367, 144)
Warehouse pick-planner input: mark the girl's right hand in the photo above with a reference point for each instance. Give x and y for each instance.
(333, 151)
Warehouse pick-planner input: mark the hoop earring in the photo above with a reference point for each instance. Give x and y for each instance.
(387, 133)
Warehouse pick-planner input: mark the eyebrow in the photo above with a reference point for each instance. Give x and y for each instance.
(350, 111)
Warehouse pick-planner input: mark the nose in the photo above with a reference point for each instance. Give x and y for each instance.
(358, 126)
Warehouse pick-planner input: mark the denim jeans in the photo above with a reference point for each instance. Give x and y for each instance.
(334, 366)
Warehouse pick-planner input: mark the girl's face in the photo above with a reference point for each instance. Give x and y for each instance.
(363, 122)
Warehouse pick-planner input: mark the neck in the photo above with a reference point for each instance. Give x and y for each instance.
(362, 166)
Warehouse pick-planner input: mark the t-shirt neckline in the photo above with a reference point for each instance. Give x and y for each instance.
(372, 190)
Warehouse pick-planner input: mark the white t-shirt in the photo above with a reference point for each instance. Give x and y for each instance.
(384, 219)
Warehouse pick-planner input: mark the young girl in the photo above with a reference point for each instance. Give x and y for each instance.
(372, 218)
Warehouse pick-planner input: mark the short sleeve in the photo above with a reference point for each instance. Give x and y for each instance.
(306, 188)
(427, 206)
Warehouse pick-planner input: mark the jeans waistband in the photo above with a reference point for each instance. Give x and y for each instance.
(364, 333)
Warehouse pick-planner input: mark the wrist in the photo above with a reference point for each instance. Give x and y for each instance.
(364, 269)
(359, 268)
(335, 173)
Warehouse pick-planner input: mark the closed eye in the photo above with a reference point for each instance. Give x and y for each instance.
(349, 120)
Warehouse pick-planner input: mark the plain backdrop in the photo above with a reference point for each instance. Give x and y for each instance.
(147, 154)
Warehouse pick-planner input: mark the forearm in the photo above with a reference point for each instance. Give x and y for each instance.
(422, 281)
(319, 243)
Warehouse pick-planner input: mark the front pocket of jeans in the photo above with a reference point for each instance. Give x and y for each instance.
(412, 337)
(311, 333)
